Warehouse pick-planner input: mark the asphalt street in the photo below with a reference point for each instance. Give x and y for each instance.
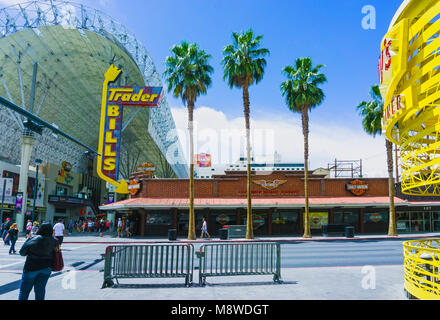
(298, 254)
(310, 270)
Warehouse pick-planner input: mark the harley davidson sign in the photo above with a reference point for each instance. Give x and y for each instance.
(134, 187)
(270, 185)
(357, 187)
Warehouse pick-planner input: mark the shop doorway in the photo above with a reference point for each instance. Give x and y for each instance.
(347, 217)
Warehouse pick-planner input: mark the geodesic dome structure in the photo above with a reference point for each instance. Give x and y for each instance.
(53, 56)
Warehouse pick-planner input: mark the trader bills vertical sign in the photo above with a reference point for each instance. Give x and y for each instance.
(113, 101)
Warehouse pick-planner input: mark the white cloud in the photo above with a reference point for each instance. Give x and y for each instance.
(225, 140)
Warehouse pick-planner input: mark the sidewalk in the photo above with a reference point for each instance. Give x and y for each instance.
(109, 238)
(338, 283)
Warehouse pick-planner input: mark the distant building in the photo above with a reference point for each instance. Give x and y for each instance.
(262, 164)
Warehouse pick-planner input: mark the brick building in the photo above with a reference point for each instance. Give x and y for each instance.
(277, 205)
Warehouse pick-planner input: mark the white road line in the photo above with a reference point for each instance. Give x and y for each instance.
(12, 264)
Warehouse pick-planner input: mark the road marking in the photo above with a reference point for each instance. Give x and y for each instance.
(12, 264)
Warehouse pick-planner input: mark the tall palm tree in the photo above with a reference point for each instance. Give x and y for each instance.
(372, 113)
(302, 94)
(243, 65)
(189, 75)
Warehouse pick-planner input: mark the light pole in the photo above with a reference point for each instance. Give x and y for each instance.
(37, 162)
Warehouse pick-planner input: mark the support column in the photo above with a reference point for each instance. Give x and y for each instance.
(111, 217)
(301, 221)
(143, 221)
(175, 218)
(27, 143)
(361, 216)
(269, 221)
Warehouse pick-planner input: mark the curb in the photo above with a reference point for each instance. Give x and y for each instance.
(258, 240)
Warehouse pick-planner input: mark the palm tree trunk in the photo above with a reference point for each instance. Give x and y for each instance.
(305, 125)
(246, 102)
(191, 222)
(392, 229)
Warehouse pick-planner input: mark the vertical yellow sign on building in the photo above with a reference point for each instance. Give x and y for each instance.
(409, 80)
(113, 100)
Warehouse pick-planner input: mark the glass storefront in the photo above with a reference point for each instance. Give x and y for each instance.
(260, 223)
(285, 222)
(220, 218)
(158, 223)
(417, 221)
(376, 221)
(347, 217)
(317, 220)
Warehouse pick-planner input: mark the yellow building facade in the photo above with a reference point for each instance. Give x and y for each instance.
(409, 80)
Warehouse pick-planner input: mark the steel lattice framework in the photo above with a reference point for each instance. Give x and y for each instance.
(410, 85)
(71, 45)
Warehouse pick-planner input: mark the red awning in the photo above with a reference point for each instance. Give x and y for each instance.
(162, 203)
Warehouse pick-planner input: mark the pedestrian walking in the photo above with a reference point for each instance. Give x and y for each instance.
(34, 229)
(59, 232)
(205, 233)
(127, 229)
(7, 225)
(39, 252)
(119, 227)
(13, 237)
(28, 228)
(70, 227)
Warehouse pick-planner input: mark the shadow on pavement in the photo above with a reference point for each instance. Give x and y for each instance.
(249, 284)
(149, 286)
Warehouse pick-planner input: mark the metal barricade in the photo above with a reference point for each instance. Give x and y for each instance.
(421, 267)
(239, 259)
(149, 261)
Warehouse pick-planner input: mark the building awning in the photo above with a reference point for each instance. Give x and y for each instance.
(314, 202)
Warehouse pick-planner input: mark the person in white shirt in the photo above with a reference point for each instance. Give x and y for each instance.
(205, 233)
(58, 231)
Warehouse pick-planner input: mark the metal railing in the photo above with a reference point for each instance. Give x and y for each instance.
(238, 259)
(149, 261)
(421, 268)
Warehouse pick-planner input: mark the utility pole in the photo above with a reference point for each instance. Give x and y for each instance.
(38, 162)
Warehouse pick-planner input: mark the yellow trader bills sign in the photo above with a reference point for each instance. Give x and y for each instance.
(114, 99)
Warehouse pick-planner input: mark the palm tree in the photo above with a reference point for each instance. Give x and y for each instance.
(302, 94)
(243, 65)
(188, 76)
(372, 113)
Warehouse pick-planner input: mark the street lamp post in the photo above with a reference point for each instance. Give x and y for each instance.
(37, 162)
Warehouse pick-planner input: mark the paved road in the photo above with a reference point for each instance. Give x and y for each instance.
(298, 254)
(339, 263)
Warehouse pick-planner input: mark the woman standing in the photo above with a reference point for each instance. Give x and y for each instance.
(39, 252)
(13, 237)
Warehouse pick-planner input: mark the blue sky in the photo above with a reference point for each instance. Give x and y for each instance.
(328, 31)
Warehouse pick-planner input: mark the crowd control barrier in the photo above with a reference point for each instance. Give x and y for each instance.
(149, 261)
(421, 267)
(239, 259)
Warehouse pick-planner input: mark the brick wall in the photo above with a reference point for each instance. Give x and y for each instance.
(234, 186)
